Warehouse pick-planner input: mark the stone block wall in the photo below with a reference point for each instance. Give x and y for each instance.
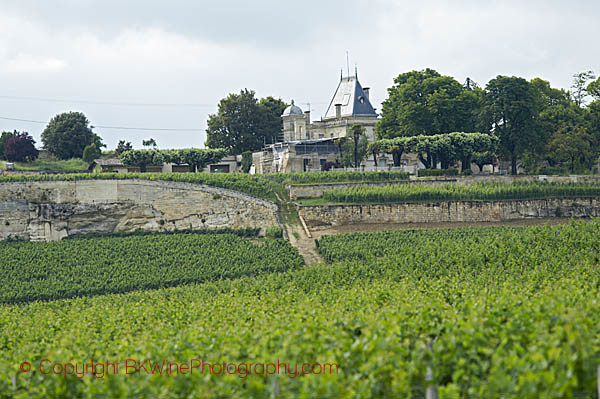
(55, 209)
(317, 216)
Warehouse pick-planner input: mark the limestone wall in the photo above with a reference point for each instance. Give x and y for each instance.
(55, 209)
(450, 211)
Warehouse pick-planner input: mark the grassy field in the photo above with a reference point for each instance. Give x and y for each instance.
(67, 164)
(507, 313)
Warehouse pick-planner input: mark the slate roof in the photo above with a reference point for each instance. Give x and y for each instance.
(354, 102)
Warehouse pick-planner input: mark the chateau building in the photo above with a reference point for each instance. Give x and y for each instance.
(306, 145)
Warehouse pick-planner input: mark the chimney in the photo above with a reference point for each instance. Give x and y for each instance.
(366, 90)
(338, 111)
(307, 117)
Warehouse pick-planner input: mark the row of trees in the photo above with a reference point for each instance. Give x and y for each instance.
(532, 121)
(439, 148)
(198, 159)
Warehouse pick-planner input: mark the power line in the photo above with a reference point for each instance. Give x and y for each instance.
(92, 102)
(112, 127)
(115, 103)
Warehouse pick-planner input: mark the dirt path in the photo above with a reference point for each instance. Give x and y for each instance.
(306, 246)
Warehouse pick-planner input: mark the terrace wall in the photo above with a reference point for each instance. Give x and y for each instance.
(317, 216)
(55, 209)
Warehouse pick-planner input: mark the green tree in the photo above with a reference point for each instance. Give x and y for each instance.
(123, 146)
(547, 96)
(67, 134)
(149, 143)
(549, 121)
(425, 103)
(510, 111)
(243, 124)
(91, 152)
(347, 158)
(5, 136)
(247, 161)
(198, 158)
(593, 89)
(356, 132)
(20, 147)
(592, 122)
(271, 123)
(572, 145)
(579, 86)
(142, 158)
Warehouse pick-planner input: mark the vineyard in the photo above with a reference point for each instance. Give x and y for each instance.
(508, 313)
(31, 271)
(249, 184)
(336, 177)
(458, 192)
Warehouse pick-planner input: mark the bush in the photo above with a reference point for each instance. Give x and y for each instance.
(437, 172)
(467, 172)
(274, 232)
(91, 152)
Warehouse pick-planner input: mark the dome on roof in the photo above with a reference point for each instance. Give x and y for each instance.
(292, 110)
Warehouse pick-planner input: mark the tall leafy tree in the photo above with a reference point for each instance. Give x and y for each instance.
(425, 103)
(242, 123)
(572, 145)
(510, 112)
(68, 134)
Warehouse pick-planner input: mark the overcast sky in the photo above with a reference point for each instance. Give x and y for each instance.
(166, 64)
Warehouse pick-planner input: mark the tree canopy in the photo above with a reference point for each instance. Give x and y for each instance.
(425, 103)
(197, 158)
(510, 111)
(242, 123)
(67, 134)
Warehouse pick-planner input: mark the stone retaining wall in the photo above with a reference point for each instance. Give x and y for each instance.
(55, 209)
(450, 211)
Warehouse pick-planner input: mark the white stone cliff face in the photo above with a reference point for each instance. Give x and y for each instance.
(52, 210)
(317, 216)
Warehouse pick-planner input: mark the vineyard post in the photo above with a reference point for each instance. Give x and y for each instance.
(432, 392)
(275, 391)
